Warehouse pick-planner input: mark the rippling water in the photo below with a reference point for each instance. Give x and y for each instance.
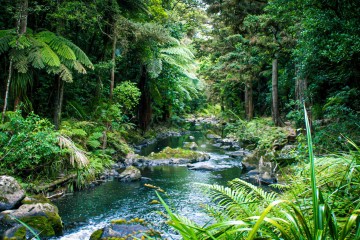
(86, 211)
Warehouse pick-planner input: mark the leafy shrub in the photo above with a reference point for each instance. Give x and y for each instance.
(27, 145)
(127, 94)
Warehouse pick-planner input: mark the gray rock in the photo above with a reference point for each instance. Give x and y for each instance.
(43, 217)
(11, 193)
(238, 154)
(124, 230)
(190, 145)
(191, 137)
(225, 147)
(213, 136)
(130, 173)
(217, 145)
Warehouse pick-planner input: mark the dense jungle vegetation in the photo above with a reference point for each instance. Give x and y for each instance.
(81, 79)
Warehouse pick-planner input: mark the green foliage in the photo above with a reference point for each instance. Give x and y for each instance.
(260, 132)
(28, 145)
(127, 95)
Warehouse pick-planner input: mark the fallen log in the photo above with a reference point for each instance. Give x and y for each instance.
(51, 186)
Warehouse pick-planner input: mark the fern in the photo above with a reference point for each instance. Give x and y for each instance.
(259, 192)
(5, 38)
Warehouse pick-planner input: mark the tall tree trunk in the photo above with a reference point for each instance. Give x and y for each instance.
(21, 27)
(249, 103)
(275, 97)
(24, 16)
(7, 91)
(58, 100)
(22, 30)
(113, 58)
(145, 110)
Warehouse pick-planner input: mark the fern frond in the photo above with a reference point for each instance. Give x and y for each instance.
(20, 60)
(154, 67)
(47, 55)
(6, 36)
(79, 67)
(20, 83)
(65, 73)
(239, 184)
(232, 201)
(21, 42)
(76, 155)
(180, 50)
(80, 55)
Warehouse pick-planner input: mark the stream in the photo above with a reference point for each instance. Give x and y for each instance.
(86, 211)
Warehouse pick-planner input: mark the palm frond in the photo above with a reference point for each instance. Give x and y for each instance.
(77, 156)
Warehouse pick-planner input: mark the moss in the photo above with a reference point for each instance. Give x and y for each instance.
(56, 222)
(168, 152)
(49, 225)
(119, 221)
(35, 199)
(4, 200)
(96, 235)
(40, 223)
(20, 233)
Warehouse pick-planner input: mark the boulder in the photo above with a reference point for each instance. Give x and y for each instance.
(212, 136)
(122, 229)
(11, 193)
(42, 217)
(130, 173)
(190, 145)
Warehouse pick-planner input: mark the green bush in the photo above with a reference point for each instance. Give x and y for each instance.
(28, 145)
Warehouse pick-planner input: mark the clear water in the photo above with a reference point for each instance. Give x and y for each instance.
(86, 211)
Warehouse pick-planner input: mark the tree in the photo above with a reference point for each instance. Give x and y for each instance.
(44, 50)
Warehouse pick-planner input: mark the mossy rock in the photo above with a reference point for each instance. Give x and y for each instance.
(42, 217)
(35, 199)
(169, 152)
(15, 233)
(96, 235)
(121, 229)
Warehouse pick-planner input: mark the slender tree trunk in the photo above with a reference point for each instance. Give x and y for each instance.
(145, 110)
(7, 91)
(59, 97)
(24, 16)
(249, 103)
(113, 58)
(300, 89)
(275, 97)
(22, 30)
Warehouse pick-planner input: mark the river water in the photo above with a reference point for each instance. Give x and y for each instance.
(86, 211)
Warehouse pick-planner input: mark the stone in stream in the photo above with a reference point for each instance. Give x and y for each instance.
(11, 193)
(122, 229)
(130, 173)
(190, 145)
(38, 213)
(212, 136)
